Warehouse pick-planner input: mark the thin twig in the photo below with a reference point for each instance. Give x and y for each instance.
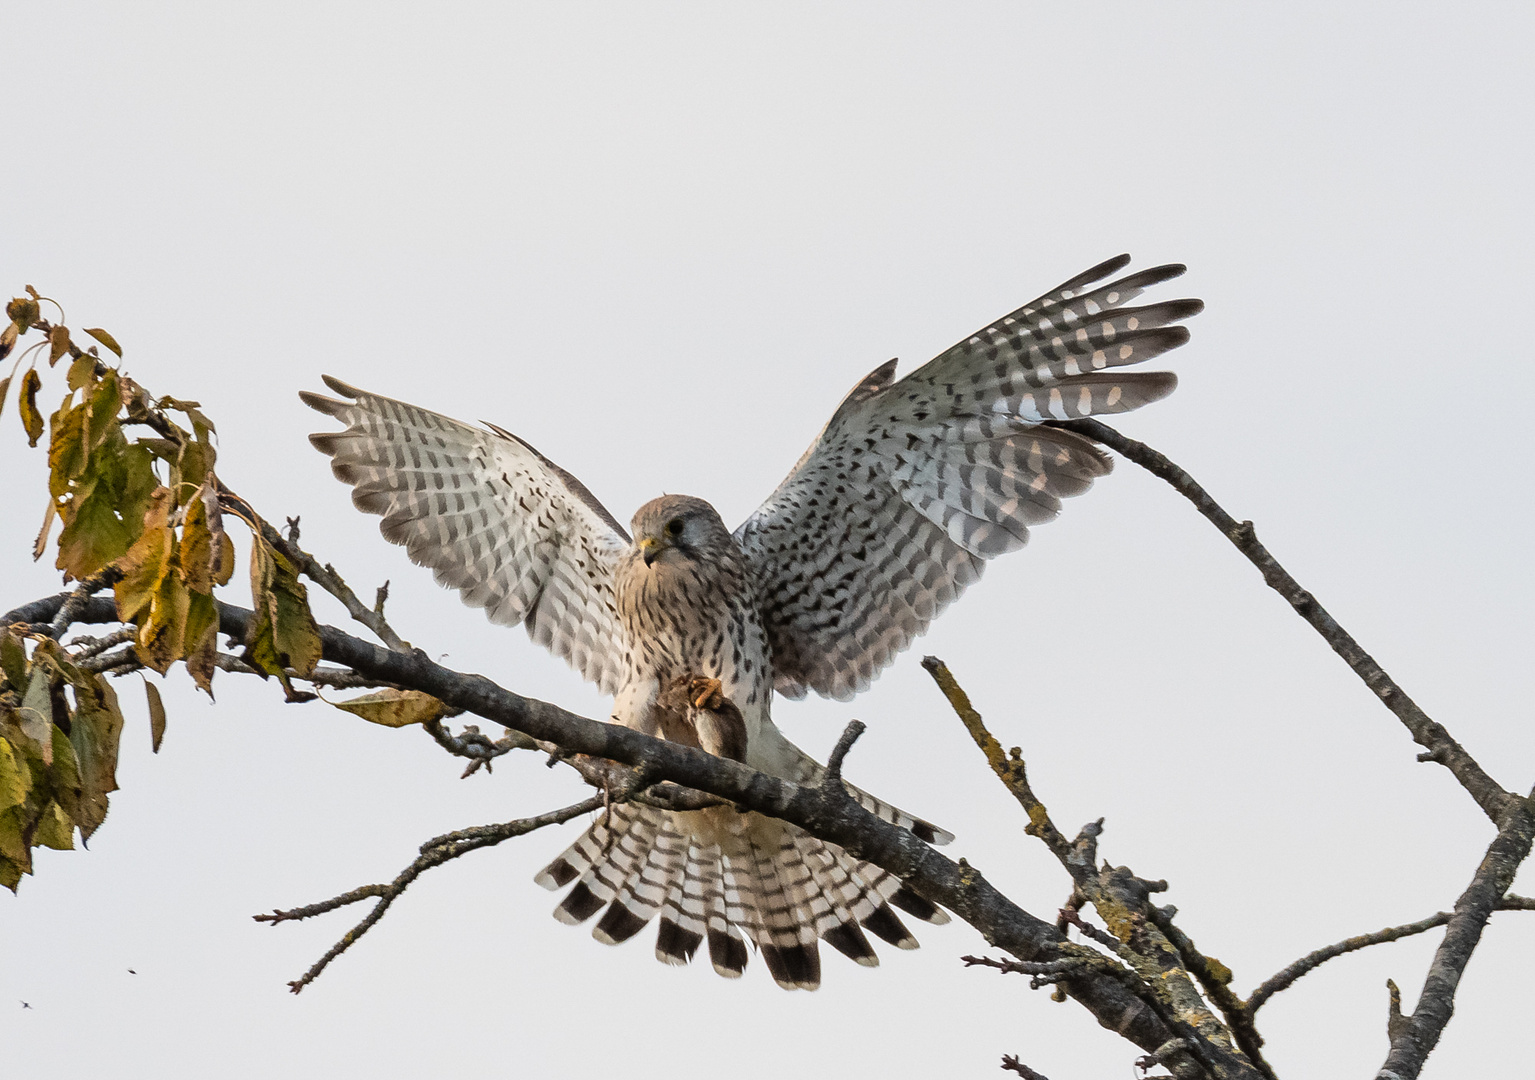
(323, 576)
(1426, 732)
(86, 647)
(839, 752)
(103, 579)
(433, 853)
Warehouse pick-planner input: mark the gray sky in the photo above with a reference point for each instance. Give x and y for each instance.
(660, 241)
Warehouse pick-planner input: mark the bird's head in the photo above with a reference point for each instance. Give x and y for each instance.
(676, 526)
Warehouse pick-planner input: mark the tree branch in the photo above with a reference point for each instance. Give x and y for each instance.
(1416, 1035)
(820, 811)
(1426, 732)
(433, 853)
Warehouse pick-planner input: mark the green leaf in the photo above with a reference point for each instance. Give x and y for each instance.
(106, 339)
(13, 660)
(31, 419)
(94, 535)
(67, 451)
(394, 708)
(156, 715)
(201, 637)
(95, 732)
(64, 774)
(58, 344)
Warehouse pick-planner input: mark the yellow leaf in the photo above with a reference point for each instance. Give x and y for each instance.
(58, 344)
(156, 716)
(54, 829)
(201, 639)
(83, 371)
(394, 708)
(283, 623)
(106, 339)
(5, 386)
(31, 419)
(147, 560)
(15, 777)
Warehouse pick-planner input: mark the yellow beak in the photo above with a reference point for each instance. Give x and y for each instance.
(651, 549)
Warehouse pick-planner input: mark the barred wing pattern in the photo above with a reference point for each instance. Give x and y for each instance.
(511, 531)
(913, 485)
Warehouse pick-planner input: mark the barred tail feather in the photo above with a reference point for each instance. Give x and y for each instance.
(726, 879)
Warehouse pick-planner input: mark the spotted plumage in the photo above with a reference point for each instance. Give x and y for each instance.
(888, 517)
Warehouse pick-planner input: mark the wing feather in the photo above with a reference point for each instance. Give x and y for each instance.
(914, 484)
(514, 533)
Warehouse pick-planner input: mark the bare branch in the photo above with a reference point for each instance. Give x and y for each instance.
(1012, 1064)
(1417, 1035)
(433, 853)
(1426, 732)
(323, 576)
(1010, 770)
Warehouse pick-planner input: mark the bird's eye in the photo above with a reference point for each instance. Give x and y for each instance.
(674, 527)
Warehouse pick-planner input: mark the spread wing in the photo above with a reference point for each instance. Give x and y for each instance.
(510, 530)
(913, 485)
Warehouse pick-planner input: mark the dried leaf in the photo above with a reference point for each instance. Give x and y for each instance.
(156, 715)
(23, 312)
(31, 419)
(106, 339)
(8, 338)
(94, 732)
(394, 708)
(58, 344)
(40, 545)
(5, 386)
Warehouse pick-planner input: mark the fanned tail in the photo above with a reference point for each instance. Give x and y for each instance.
(728, 878)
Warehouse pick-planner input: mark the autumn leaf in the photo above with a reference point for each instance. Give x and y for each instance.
(23, 311)
(8, 338)
(31, 419)
(13, 660)
(94, 732)
(106, 339)
(54, 829)
(35, 717)
(58, 344)
(156, 716)
(147, 561)
(283, 634)
(394, 708)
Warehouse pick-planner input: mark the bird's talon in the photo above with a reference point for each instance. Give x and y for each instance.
(706, 694)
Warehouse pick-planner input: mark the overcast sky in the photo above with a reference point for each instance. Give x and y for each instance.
(659, 241)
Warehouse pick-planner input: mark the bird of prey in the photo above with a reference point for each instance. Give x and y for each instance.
(887, 518)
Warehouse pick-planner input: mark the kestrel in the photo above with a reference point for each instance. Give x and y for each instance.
(887, 518)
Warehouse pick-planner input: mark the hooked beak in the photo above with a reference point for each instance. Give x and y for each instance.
(650, 547)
